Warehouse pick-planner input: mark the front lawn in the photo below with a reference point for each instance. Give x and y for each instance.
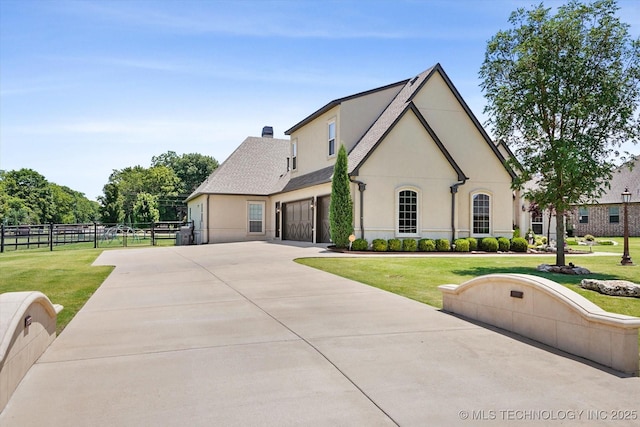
(65, 276)
(418, 278)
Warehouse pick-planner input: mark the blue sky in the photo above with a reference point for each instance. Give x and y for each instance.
(91, 86)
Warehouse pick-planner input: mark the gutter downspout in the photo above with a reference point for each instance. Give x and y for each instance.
(361, 187)
(454, 190)
(207, 217)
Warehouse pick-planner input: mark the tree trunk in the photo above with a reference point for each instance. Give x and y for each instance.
(559, 238)
(549, 226)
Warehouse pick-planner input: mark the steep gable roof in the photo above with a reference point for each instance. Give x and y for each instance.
(623, 178)
(257, 167)
(337, 102)
(401, 104)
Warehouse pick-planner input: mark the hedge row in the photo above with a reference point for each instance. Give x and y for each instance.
(487, 244)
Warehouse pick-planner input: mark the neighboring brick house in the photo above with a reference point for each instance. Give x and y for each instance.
(606, 216)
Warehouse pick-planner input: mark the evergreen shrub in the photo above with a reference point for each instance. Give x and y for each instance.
(409, 245)
(379, 245)
(443, 245)
(503, 244)
(394, 245)
(473, 243)
(519, 244)
(462, 245)
(360, 245)
(489, 244)
(426, 245)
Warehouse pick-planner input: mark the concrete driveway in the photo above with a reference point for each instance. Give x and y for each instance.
(239, 334)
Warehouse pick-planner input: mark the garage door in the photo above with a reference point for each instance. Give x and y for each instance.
(298, 221)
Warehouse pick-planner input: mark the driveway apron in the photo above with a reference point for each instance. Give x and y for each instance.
(240, 334)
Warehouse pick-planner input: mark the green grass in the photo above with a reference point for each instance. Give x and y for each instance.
(634, 246)
(65, 276)
(419, 278)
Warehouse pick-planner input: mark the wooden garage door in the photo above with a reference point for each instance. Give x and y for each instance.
(298, 221)
(323, 219)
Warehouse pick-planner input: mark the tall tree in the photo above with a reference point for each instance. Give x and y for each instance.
(30, 195)
(341, 205)
(145, 209)
(192, 168)
(159, 181)
(111, 204)
(563, 90)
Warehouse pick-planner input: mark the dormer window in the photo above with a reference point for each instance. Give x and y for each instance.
(332, 138)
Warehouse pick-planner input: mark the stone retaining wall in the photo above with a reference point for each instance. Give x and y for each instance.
(550, 313)
(27, 327)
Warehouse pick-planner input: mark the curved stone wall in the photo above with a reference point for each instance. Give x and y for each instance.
(550, 313)
(27, 327)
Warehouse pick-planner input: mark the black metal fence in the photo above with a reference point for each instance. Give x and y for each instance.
(14, 237)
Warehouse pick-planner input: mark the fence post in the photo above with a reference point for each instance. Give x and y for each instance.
(51, 236)
(153, 234)
(95, 235)
(2, 238)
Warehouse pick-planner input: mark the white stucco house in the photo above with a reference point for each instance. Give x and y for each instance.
(420, 163)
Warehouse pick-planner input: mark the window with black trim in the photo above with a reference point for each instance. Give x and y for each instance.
(407, 212)
(583, 215)
(481, 214)
(614, 215)
(256, 217)
(332, 138)
(294, 155)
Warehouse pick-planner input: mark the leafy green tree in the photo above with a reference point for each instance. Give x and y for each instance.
(563, 90)
(112, 204)
(145, 209)
(72, 206)
(28, 195)
(191, 169)
(341, 205)
(159, 181)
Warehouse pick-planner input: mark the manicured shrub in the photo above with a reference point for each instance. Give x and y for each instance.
(519, 244)
(516, 232)
(461, 245)
(503, 244)
(394, 245)
(544, 240)
(489, 244)
(426, 245)
(571, 242)
(360, 245)
(605, 242)
(341, 205)
(589, 238)
(443, 245)
(473, 243)
(379, 245)
(409, 245)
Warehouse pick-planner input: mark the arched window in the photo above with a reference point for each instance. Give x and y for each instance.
(407, 212)
(481, 214)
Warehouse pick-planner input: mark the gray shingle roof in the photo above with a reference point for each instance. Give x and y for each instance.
(386, 120)
(257, 167)
(623, 178)
(320, 176)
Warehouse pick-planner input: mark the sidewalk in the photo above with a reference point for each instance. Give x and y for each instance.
(238, 334)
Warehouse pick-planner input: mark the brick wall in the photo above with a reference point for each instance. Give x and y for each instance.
(599, 225)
